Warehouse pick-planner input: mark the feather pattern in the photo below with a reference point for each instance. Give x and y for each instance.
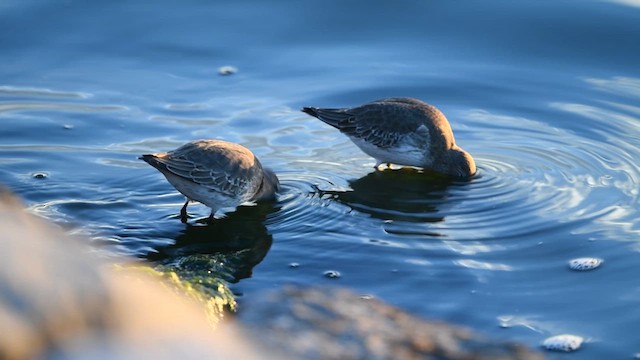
(216, 173)
(402, 131)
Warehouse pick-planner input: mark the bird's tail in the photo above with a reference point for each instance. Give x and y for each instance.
(338, 118)
(153, 161)
(311, 111)
(147, 158)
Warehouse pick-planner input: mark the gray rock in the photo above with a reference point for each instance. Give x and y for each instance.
(332, 323)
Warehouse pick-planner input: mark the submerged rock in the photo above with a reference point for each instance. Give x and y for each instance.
(206, 289)
(331, 323)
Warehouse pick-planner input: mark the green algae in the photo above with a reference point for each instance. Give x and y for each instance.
(202, 284)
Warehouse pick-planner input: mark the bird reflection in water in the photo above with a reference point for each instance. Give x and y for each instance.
(229, 247)
(405, 194)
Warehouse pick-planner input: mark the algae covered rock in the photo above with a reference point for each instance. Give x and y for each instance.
(209, 291)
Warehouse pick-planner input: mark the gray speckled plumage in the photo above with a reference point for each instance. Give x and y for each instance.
(217, 173)
(401, 131)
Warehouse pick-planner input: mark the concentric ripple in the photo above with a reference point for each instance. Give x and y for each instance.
(302, 208)
(537, 177)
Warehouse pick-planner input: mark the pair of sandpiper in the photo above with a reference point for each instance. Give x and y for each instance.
(401, 131)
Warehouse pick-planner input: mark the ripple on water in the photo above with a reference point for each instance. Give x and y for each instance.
(301, 206)
(14, 91)
(530, 172)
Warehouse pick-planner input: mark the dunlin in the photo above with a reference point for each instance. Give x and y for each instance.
(402, 131)
(219, 174)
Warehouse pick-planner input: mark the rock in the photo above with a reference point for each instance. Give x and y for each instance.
(59, 300)
(332, 323)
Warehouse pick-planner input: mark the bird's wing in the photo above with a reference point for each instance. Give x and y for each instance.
(383, 125)
(212, 168)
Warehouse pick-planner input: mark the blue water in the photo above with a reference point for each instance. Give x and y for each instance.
(544, 94)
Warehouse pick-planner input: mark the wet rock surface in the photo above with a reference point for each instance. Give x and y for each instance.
(313, 323)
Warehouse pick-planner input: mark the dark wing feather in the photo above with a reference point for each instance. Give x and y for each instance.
(382, 123)
(340, 119)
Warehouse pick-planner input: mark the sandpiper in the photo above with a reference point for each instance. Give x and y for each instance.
(402, 131)
(217, 173)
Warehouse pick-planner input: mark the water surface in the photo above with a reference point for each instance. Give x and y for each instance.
(545, 95)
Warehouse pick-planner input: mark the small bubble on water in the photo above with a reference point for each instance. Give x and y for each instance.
(227, 70)
(585, 264)
(67, 126)
(294, 265)
(366, 296)
(40, 175)
(564, 342)
(331, 274)
(505, 321)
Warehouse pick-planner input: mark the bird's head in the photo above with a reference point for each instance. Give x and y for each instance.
(270, 185)
(457, 163)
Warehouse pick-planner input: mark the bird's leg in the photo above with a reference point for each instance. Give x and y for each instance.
(183, 212)
(210, 220)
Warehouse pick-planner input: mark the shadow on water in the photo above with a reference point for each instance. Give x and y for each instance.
(231, 246)
(404, 194)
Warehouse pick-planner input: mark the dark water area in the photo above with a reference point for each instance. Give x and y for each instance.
(544, 94)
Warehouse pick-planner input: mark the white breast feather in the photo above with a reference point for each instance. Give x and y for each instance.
(406, 154)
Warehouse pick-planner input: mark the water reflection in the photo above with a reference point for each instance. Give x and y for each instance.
(632, 3)
(231, 246)
(404, 195)
(618, 85)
